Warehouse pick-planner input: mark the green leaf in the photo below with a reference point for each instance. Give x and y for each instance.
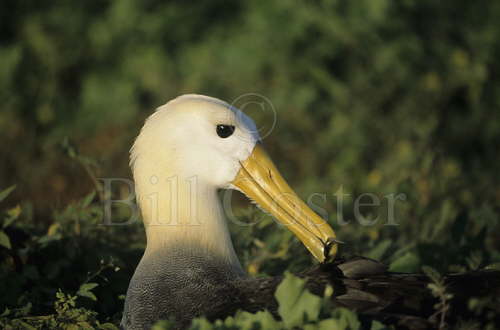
(435, 288)
(108, 326)
(408, 262)
(201, 324)
(244, 320)
(493, 266)
(88, 286)
(432, 274)
(267, 321)
(5, 240)
(162, 325)
(87, 294)
(12, 215)
(328, 324)
(53, 229)
(376, 325)
(346, 319)
(6, 192)
(6, 312)
(474, 260)
(379, 250)
(296, 304)
(26, 326)
(87, 199)
(85, 290)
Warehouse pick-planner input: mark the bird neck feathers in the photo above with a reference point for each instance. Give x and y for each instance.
(180, 212)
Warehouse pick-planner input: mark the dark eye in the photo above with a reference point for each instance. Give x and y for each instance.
(225, 131)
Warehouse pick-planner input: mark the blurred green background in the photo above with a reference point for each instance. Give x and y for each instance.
(372, 96)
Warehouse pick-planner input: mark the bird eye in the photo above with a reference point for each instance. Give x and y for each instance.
(225, 131)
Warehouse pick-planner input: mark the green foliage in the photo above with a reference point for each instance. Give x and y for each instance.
(71, 254)
(242, 320)
(85, 290)
(296, 304)
(408, 262)
(438, 289)
(11, 215)
(67, 316)
(6, 192)
(484, 307)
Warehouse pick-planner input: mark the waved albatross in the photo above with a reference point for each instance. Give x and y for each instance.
(189, 149)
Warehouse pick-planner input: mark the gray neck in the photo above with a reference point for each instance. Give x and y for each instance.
(181, 282)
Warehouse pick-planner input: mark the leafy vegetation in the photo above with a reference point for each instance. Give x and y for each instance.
(370, 96)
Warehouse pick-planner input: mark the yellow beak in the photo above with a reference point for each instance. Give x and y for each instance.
(259, 179)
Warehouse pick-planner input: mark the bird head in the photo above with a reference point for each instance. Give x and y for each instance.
(203, 139)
